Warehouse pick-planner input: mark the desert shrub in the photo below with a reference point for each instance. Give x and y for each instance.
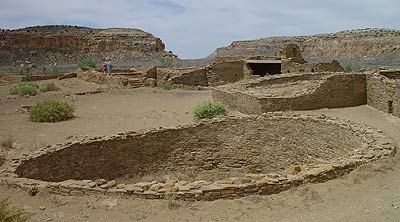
(26, 73)
(348, 67)
(51, 111)
(352, 67)
(24, 88)
(87, 63)
(48, 87)
(209, 110)
(11, 214)
(55, 70)
(7, 141)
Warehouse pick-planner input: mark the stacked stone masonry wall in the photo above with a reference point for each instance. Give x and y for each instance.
(93, 165)
(229, 71)
(382, 92)
(334, 91)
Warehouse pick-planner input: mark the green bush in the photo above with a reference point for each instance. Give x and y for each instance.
(48, 87)
(24, 88)
(26, 73)
(87, 63)
(55, 70)
(11, 214)
(51, 111)
(352, 67)
(209, 110)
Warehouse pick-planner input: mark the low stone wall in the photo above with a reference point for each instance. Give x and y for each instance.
(197, 77)
(326, 91)
(182, 76)
(391, 74)
(100, 78)
(78, 168)
(292, 67)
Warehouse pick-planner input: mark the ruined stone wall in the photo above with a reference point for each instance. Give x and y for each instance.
(337, 90)
(377, 94)
(238, 101)
(192, 78)
(211, 148)
(229, 71)
(382, 92)
(289, 66)
(92, 75)
(391, 74)
(182, 76)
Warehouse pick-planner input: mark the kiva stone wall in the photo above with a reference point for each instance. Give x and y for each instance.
(208, 150)
(334, 91)
(342, 145)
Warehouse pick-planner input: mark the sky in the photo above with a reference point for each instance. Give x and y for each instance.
(195, 28)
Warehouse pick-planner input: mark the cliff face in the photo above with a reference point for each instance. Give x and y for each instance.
(69, 44)
(368, 47)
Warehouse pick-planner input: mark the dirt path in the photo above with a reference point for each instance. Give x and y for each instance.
(371, 193)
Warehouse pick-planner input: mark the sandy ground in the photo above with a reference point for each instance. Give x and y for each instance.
(370, 193)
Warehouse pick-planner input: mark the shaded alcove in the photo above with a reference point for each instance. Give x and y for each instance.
(265, 67)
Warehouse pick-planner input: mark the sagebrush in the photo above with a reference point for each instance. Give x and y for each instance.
(26, 73)
(11, 214)
(87, 63)
(7, 141)
(48, 87)
(24, 88)
(51, 111)
(352, 67)
(55, 70)
(208, 110)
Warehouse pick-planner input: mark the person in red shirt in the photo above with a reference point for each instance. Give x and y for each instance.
(104, 67)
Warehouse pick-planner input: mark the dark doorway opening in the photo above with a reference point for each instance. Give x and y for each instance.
(390, 106)
(263, 69)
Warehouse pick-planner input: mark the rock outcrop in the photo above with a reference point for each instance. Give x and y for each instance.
(69, 44)
(367, 47)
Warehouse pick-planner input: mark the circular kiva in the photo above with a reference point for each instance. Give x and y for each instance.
(214, 159)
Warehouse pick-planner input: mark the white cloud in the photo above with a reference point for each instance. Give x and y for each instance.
(195, 28)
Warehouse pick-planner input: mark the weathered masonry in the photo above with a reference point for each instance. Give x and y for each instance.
(209, 151)
(294, 92)
(384, 91)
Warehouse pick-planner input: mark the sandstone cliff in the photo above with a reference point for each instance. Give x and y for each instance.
(367, 47)
(66, 45)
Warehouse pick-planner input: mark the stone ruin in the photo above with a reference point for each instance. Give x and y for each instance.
(277, 151)
(223, 70)
(309, 91)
